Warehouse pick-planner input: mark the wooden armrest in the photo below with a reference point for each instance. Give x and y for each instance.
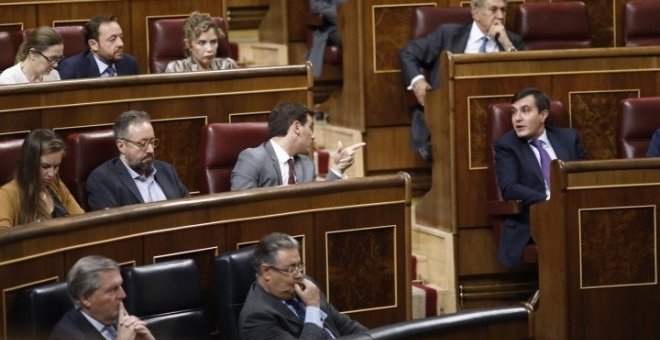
(504, 207)
(313, 19)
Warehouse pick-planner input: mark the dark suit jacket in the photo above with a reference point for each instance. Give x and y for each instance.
(265, 317)
(258, 167)
(654, 146)
(74, 326)
(323, 36)
(110, 185)
(83, 65)
(520, 178)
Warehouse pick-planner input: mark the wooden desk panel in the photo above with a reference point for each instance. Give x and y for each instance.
(179, 105)
(372, 211)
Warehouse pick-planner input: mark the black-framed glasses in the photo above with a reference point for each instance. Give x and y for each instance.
(51, 60)
(290, 270)
(144, 143)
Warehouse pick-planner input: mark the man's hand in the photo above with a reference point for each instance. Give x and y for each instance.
(345, 157)
(498, 32)
(130, 327)
(419, 89)
(308, 293)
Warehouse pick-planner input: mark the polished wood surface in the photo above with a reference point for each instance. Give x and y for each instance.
(179, 105)
(355, 237)
(598, 254)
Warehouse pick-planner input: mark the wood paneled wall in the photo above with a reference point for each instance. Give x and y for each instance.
(355, 237)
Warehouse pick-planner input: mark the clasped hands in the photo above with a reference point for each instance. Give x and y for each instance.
(130, 327)
(345, 156)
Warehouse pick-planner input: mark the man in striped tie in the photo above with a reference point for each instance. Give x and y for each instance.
(285, 304)
(522, 163)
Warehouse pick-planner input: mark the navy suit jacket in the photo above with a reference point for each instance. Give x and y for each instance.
(520, 177)
(110, 185)
(654, 146)
(258, 167)
(83, 65)
(264, 316)
(74, 326)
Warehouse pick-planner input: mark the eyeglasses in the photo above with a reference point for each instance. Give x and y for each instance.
(51, 60)
(291, 270)
(144, 143)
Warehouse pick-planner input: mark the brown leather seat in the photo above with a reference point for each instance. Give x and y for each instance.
(8, 51)
(640, 23)
(426, 19)
(498, 123)
(219, 148)
(85, 152)
(10, 150)
(638, 119)
(553, 25)
(73, 37)
(166, 42)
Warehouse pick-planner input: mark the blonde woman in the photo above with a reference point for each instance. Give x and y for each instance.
(37, 58)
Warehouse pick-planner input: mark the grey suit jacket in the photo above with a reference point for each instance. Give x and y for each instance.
(520, 177)
(328, 34)
(265, 317)
(258, 167)
(110, 185)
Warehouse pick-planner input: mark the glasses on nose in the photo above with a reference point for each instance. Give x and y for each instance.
(144, 143)
(290, 270)
(51, 60)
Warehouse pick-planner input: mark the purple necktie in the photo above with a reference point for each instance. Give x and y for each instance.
(545, 159)
(482, 48)
(292, 176)
(298, 307)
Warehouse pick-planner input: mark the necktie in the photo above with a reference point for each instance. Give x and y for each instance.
(482, 48)
(110, 71)
(298, 307)
(545, 160)
(292, 175)
(110, 331)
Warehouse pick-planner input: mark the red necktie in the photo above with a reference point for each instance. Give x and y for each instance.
(292, 176)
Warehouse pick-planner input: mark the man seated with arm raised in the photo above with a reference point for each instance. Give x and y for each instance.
(282, 159)
(135, 176)
(104, 56)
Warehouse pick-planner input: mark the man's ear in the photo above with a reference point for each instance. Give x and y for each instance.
(120, 145)
(544, 114)
(264, 271)
(93, 45)
(85, 302)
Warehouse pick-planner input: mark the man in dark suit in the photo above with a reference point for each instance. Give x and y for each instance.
(654, 146)
(94, 284)
(283, 303)
(485, 34)
(104, 56)
(522, 163)
(282, 159)
(325, 35)
(135, 176)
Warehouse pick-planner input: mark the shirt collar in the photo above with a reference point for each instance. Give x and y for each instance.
(282, 156)
(97, 325)
(475, 33)
(543, 137)
(100, 64)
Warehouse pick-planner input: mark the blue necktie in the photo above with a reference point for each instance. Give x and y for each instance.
(298, 307)
(111, 331)
(110, 71)
(482, 48)
(545, 160)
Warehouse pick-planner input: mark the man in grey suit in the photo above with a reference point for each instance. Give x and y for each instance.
(485, 34)
(325, 35)
(282, 160)
(283, 303)
(135, 176)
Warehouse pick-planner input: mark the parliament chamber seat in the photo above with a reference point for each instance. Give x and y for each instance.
(168, 297)
(553, 25)
(36, 310)
(10, 150)
(638, 119)
(85, 152)
(219, 148)
(233, 275)
(640, 23)
(9, 43)
(499, 123)
(73, 37)
(166, 42)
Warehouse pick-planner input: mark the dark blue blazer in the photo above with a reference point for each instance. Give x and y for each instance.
(520, 177)
(110, 185)
(83, 65)
(74, 326)
(654, 147)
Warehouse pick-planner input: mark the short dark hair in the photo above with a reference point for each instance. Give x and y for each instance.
(92, 26)
(126, 119)
(267, 248)
(283, 115)
(541, 99)
(83, 278)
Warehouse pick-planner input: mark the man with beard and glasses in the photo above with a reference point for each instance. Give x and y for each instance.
(135, 176)
(104, 56)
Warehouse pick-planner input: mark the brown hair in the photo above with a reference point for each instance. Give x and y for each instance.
(38, 143)
(39, 39)
(195, 25)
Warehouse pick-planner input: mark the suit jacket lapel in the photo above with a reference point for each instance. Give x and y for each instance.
(92, 67)
(281, 308)
(159, 177)
(557, 145)
(126, 179)
(460, 42)
(273, 160)
(530, 160)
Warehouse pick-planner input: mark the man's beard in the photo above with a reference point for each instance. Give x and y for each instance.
(142, 167)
